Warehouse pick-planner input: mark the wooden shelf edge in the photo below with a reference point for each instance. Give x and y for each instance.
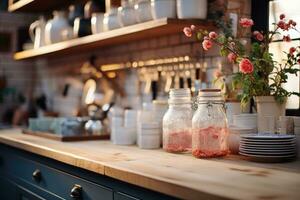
(19, 5)
(140, 31)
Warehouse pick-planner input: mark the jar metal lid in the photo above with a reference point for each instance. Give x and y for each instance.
(180, 96)
(210, 93)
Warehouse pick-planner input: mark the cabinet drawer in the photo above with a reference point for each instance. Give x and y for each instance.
(122, 196)
(55, 181)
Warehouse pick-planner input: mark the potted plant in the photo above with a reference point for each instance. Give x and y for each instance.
(259, 75)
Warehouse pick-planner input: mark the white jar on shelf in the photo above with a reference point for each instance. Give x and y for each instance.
(111, 20)
(143, 10)
(55, 26)
(163, 9)
(97, 22)
(192, 9)
(126, 13)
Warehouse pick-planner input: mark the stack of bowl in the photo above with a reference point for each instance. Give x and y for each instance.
(149, 135)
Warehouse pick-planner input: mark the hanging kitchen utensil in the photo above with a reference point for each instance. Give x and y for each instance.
(147, 88)
(88, 92)
(169, 80)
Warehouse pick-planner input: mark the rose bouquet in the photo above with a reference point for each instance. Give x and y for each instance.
(259, 74)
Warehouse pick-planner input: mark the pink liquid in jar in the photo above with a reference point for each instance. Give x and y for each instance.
(210, 142)
(177, 142)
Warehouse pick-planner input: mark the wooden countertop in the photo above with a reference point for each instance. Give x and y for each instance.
(178, 175)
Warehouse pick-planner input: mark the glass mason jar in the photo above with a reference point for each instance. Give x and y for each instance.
(210, 129)
(177, 122)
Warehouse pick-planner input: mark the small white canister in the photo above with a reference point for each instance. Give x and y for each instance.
(149, 135)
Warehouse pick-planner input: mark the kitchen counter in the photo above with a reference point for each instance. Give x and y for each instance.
(177, 175)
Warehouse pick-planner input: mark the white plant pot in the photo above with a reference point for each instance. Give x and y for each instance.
(192, 9)
(267, 106)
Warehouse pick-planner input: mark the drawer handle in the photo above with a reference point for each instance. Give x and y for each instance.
(37, 175)
(76, 192)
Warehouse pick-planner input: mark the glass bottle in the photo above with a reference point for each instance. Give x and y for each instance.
(210, 129)
(177, 122)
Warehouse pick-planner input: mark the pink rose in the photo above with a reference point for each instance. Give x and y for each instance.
(255, 33)
(187, 31)
(259, 37)
(245, 22)
(282, 16)
(286, 26)
(246, 67)
(206, 44)
(292, 50)
(286, 38)
(232, 57)
(294, 23)
(213, 35)
(281, 24)
(193, 27)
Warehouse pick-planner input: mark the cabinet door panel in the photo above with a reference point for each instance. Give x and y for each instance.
(7, 189)
(24, 194)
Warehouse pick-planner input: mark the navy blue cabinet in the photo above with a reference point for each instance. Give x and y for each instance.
(27, 176)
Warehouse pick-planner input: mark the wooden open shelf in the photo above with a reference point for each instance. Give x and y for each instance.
(38, 5)
(127, 34)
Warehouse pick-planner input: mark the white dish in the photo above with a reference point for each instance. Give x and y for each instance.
(268, 143)
(268, 156)
(268, 153)
(268, 147)
(275, 151)
(267, 136)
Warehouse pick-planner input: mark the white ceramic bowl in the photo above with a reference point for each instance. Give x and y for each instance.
(245, 121)
(163, 9)
(192, 9)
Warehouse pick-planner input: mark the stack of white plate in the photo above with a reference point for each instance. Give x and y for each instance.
(266, 147)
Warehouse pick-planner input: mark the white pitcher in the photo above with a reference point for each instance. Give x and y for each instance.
(37, 32)
(55, 27)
